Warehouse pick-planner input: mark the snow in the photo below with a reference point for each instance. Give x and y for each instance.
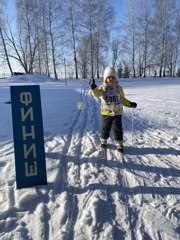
(88, 196)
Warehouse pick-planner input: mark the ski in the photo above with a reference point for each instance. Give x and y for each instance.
(122, 157)
(104, 152)
(124, 161)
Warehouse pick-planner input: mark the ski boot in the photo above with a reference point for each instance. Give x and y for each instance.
(119, 146)
(103, 143)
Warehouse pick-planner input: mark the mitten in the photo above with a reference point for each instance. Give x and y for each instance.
(92, 84)
(133, 105)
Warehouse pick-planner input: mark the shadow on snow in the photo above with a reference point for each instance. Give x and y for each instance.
(165, 172)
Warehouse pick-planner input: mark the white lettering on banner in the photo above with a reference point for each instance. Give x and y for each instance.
(28, 151)
(26, 98)
(27, 114)
(33, 170)
(25, 134)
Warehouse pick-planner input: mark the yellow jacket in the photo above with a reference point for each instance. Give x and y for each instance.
(112, 99)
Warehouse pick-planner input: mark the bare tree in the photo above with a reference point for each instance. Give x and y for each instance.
(96, 24)
(3, 29)
(131, 32)
(84, 56)
(5, 50)
(164, 17)
(103, 27)
(144, 35)
(72, 23)
(37, 35)
(24, 47)
(115, 51)
(151, 36)
(52, 7)
(173, 46)
(88, 7)
(43, 52)
(48, 29)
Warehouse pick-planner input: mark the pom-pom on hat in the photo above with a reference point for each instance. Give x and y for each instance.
(110, 72)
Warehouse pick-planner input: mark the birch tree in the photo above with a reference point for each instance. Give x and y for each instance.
(84, 56)
(173, 51)
(3, 33)
(44, 52)
(25, 45)
(115, 51)
(104, 25)
(88, 7)
(131, 32)
(144, 36)
(97, 19)
(163, 15)
(72, 23)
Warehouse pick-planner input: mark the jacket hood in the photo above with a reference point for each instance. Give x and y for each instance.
(110, 72)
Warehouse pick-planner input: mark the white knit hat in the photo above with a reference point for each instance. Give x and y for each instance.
(110, 72)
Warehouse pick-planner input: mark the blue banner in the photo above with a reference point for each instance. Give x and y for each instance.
(28, 136)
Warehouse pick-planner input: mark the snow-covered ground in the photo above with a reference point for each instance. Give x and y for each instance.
(88, 196)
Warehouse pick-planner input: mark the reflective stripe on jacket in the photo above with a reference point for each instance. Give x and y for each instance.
(112, 99)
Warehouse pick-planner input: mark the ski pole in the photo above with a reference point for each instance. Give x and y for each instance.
(132, 127)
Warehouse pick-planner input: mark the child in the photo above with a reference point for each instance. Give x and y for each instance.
(112, 102)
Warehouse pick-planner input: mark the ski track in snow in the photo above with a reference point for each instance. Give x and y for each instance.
(138, 202)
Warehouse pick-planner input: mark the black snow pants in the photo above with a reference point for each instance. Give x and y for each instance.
(114, 122)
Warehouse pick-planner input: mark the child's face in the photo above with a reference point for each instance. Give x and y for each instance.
(111, 79)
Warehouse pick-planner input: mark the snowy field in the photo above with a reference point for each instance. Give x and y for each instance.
(88, 196)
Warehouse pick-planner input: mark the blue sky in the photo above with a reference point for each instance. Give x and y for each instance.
(11, 12)
(118, 6)
(11, 7)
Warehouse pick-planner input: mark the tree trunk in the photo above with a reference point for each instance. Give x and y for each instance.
(97, 55)
(53, 52)
(74, 42)
(5, 50)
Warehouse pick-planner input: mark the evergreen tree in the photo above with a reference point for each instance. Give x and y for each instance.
(120, 70)
(127, 72)
(178, 72)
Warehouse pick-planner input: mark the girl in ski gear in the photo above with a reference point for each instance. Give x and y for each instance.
(112, 102)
